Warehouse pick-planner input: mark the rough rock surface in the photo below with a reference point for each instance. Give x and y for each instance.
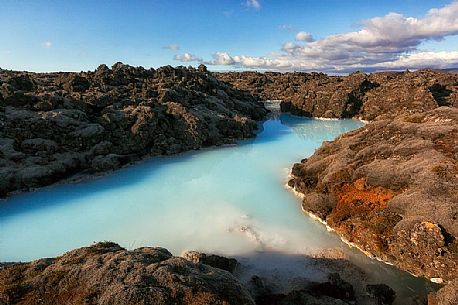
(108, 274)
(213, 260)
(447, 295)
(333, 292)
(53, 125)
(356, 95)
(105, 273)
(391, 188)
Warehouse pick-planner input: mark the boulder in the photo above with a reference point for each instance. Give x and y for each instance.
(383, 294)
(105, 273)
(215, 261)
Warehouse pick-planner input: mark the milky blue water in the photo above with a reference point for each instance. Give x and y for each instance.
(229, 200)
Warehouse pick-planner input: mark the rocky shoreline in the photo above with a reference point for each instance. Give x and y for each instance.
(57, 125)
(389, 188)
(106, 273)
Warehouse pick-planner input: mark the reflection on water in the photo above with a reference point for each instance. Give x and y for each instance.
(229, 200)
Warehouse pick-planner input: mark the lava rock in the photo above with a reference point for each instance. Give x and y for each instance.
(105, 273)
(390, 188)
(215, 261)
(382, 293)
(138, 112)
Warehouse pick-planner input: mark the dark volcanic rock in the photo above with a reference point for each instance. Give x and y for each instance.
(108, 274)
(356, 95)
(334, 292)
(382, 293)
(53, 125)
(391, 188)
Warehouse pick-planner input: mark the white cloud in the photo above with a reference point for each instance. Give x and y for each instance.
(46, 44)
(290, 47)
(304, 36)
(224, 59)
(439, 60)
(253, 4)
(388, 42)
(172, 47)
(187, 57)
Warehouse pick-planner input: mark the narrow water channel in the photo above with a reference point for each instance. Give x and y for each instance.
(227, 200)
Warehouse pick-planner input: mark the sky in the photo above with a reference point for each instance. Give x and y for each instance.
(333, 36)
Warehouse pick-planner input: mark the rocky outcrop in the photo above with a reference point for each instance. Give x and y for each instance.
(356, 95)
(54, 125)
(334, 291)
(390, 188)
(213, 260)
(105, 273)
(447, 295)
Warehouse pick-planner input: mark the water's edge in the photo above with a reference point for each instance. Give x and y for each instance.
(346, 241)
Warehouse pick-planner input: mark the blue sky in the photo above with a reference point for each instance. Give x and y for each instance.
(53, 35)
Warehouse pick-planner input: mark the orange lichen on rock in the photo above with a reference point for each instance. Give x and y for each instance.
(360, 212)
(429, 225)
(355, 198)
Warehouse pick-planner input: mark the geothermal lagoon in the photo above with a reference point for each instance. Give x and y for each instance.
(228, 200)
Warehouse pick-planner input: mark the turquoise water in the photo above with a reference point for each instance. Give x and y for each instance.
(229, 200)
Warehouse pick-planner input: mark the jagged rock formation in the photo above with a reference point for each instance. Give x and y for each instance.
(356, 95)
(108, 274)
(53, 125)
(391, 188)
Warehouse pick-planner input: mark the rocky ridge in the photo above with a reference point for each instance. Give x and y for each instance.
(358, 95)
(55, 125)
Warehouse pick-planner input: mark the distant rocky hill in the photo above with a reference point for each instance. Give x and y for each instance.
(451, 70)
(357, 95)
(54, 125)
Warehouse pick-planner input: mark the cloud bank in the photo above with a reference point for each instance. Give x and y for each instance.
(388, 42)
(187, 57)
(304, 36)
